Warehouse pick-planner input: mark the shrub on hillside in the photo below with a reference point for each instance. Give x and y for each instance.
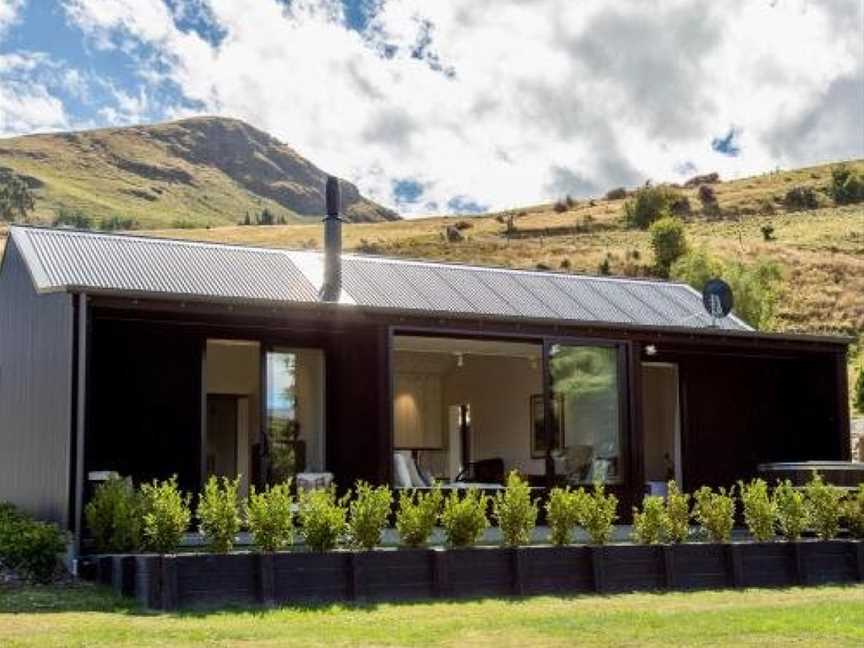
(715, 512)
(649, 204)
(618, 193)
(798, 198)
(464, 517)
(649, 523)
(322, 518)
(417, 516)
(677, 519)
(270, 517)
(597, 514)
(368, 513)
(707, 178)
(166, 514)
(562, 514)
(28, 546)
(114, 516)
(72, 218)
(219, 513)
(767, 232)
(515, 511)
(760, 511)
(668, 242)
(708, 198)
(823, 505)
(791, 511)
(847, 186)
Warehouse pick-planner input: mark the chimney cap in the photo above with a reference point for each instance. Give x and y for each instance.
(332, 196)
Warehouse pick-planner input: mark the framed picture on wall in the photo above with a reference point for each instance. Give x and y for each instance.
(538, 435)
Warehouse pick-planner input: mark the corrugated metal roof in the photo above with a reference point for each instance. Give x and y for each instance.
(71, 260)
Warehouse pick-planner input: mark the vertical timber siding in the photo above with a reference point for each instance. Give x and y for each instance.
(36, 351)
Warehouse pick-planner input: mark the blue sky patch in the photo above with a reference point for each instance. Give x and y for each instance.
(727, 145)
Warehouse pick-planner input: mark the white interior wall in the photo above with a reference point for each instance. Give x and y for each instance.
(660, 418)
(234, 368)
(310, 405)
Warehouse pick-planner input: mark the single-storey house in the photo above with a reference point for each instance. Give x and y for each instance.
(151, 357)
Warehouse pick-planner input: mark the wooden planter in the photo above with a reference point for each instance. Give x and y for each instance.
(169, 582)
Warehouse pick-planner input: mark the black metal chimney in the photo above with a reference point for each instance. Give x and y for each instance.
(332, 287)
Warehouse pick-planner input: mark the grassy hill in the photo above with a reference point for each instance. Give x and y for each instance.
(194, 172)
(820, 251)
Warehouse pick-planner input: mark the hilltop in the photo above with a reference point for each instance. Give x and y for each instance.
(204, 171)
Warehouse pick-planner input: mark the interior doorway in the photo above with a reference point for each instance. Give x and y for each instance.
(661, 425)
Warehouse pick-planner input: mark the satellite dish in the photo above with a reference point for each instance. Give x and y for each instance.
(717, 298)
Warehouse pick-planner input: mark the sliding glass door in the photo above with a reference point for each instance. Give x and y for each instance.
(293, 413)
(585, 390)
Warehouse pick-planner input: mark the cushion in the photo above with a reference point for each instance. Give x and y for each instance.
(401, 475)
(416, 480)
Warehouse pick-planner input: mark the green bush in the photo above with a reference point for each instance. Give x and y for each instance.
(649, 523)
(322, 518)
(562, 514)
(219, 513)
(515, 511)
(822, 502)
(464, 517)
(368, 513)
(270, 518)
(677, 519)
(597, 514)
(618, 193)
(417, 516)
(715, 512)
(847, 186)
(760, 511)
(791, 511)
(114, 516)
(649, 204)
(801, 198)
(668, 241)
(853, 512)
(166, 514)
(28, 546)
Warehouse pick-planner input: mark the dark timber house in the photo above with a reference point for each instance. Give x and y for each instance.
(152, 357)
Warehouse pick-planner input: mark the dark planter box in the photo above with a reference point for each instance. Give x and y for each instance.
(832, 561)
(311, 577)
(698, 566)
(629, 568)
(387, 575)
(479, 571)
(556, 570)
(168, 582)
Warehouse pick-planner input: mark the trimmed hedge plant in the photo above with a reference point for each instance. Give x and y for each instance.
(464, 517)
(562, 514)
(597, 513)
(114, 516)
(270, 517)
(322, 518)
(515, 511)
(166, 514)
(822, 502)
(368, 513)
(760, 510)
(715, 512)
(417, 516)
(791, 510)
(219, 513)
(28, 546)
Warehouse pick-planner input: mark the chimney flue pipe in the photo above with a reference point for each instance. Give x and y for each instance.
(332, 286)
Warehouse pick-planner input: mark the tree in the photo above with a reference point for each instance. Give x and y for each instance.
(649, 204)
(754, 286)
(668, 241)
(847, 186)
(15, 199)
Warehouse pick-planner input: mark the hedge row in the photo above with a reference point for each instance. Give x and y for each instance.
(155, 516)
(27, 546)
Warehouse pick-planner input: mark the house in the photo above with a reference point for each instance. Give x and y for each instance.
(151, 357)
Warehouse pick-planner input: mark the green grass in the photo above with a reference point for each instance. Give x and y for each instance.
(89, 616)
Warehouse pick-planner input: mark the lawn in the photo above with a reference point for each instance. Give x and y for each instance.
(90, 616)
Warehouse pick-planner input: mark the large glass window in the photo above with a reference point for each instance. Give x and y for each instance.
(294, 408)
(585, 386)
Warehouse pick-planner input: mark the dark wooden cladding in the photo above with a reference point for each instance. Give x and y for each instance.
(36, 409)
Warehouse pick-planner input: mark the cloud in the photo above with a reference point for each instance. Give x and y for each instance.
(497, 103)
(10, 13)
(27, 101)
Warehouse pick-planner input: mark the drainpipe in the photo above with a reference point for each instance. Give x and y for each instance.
(332, 286)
